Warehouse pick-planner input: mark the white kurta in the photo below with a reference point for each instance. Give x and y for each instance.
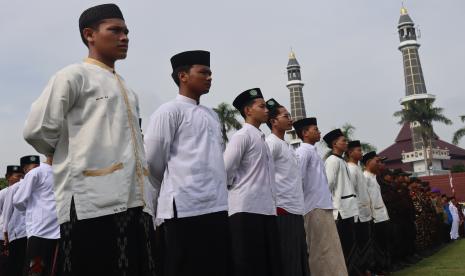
(341, 187)
(185, 154)
(88, 120)
(3, 194)
(288, 180)
(454, 232)
(250, 172)
(361, 190)
(14, 220)
(314, 181)
(378, 209)
(35, 197)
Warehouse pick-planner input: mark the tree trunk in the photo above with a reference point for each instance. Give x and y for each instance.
(427, 172)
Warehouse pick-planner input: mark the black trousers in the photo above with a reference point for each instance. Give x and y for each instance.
(293, 245)
(255, 245)
(116, 245)
(40, 256)
(346, 231)
(17, 258)
(198, 245)
(3, 259)
(381, 249)
(364, 239)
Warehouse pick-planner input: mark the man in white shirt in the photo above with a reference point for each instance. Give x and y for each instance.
(363, 228)
(344, 198)
(252, 202)
(185, 156)
(289, 193)
(35, 197)
(87, 119)
(379, 213)
(14, 224)
(14, 173)
(324, 247)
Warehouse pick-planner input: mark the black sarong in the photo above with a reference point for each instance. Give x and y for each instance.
(17, 257)
(345, 229)
(255, 245)
(40, 255)
(293, 245)
(198, 245)
(116, 245)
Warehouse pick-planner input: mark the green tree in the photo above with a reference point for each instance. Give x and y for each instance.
(3, 183)
(228, 119)
(459, 133)
(348, 130)
(424, 113)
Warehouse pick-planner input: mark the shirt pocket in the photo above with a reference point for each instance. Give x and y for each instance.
(105, 187)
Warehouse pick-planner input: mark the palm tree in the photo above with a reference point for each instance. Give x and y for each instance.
(227, 115)
(459, 133)
(423, 113)
(348, 131)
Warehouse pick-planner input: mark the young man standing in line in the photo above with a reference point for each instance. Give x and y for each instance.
(289, 193)
(344, 199)
(15, 222)
(13, 175)
(252, 199)
(363, 229)
(379, 212)
(87, 119)
(185, 156)
(324, 247)
(35, 197)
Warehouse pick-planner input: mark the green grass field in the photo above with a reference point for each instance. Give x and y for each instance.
(449, 261)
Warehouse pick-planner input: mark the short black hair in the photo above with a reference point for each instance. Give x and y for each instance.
(272, 114)
(175, 74)
(94, 26)
(249, 103)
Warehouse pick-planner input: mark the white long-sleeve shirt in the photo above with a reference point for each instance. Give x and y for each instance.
(288, 180)
(361, 190)
(3, 194)
(185, 154)
(14, 220)
(250, 172)
(88, 120)
(35, 196)
(314, 181)
(378, 209)
(344, 198)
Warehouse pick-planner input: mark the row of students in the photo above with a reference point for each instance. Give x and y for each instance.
(235, 213)
(30, 226)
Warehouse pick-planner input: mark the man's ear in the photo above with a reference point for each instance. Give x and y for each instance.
(88, 34)
(183, 76)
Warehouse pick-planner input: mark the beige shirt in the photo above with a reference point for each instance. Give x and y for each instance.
(87, 119)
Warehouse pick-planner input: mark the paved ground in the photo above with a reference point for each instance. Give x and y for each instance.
(449, 261)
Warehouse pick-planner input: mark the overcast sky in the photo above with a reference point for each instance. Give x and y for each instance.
(351, 66)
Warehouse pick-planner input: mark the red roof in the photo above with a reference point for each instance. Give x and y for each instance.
(403, 142)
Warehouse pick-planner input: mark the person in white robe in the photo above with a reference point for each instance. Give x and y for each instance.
(289, 193)
(185, 156)
(252, 192)
(87, 119)
(326, 257)
(35, 197)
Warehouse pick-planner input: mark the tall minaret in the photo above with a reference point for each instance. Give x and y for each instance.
(295, 85)
(415, 90)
